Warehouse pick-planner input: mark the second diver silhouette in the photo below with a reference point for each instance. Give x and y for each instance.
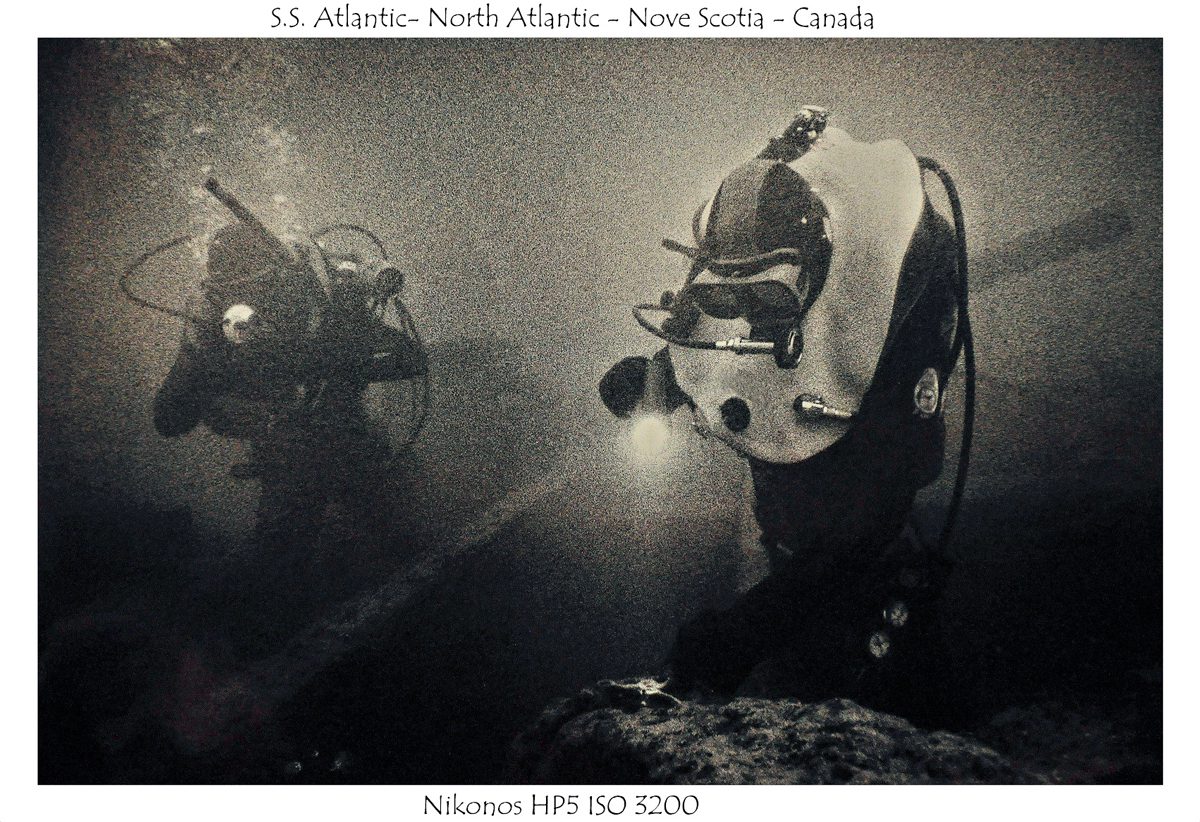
(274, 354)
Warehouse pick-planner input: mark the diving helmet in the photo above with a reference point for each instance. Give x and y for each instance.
(778, 329)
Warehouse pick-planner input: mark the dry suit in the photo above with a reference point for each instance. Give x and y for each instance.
(294, 393)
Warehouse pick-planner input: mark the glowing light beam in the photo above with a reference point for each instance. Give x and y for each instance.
(650, 436)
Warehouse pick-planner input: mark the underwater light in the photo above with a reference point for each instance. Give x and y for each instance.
(650, 435)
(238, 323)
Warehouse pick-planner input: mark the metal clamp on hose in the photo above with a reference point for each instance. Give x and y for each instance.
(741, 345)
(787, 349)
(812, 406)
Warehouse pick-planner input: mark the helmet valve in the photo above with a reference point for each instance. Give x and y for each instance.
(798, 137)
(812, 406)
(741, 345)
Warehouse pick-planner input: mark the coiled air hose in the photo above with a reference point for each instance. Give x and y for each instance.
(420, 397)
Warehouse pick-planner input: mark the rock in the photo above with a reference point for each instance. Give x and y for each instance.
(1079, 743)
(633, 733)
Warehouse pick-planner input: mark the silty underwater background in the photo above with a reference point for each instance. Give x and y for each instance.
(524, 188)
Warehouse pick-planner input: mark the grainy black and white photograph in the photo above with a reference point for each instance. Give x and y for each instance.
(611, 412)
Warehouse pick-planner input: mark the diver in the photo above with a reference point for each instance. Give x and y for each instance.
(822, 314)
(273, 356)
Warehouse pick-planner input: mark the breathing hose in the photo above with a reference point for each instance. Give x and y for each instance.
(964, 343)
(132, 269)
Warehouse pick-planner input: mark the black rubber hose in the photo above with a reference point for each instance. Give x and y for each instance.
(422, 402)
(963, 340)
(703, 345)
(354, 229)
(132, 269)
